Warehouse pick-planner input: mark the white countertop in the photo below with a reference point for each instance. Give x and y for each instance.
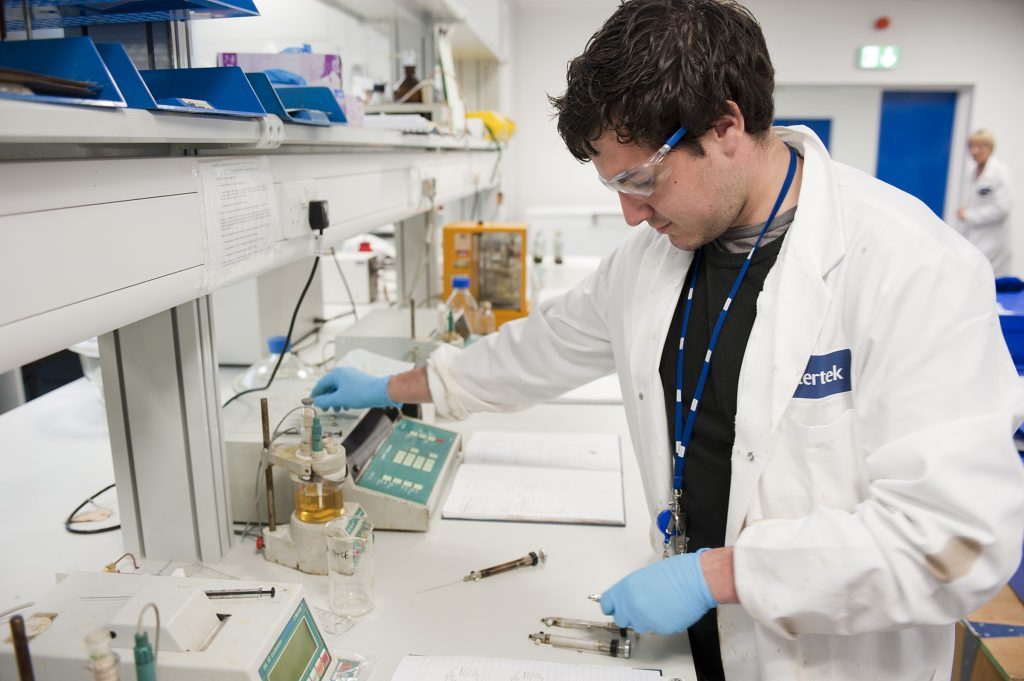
(57, 454)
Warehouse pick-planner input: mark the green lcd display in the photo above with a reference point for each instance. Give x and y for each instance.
(299, 654)
(296, 655)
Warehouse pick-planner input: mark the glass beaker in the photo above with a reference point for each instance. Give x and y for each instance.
(350, 565)
(318, 501)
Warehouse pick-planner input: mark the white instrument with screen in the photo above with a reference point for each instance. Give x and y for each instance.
(206, 633)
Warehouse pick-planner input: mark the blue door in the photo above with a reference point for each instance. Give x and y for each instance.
(914, 143)
(822, 127)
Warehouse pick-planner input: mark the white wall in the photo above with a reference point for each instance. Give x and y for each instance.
(854, 113)
(945, 44)
(540, 172)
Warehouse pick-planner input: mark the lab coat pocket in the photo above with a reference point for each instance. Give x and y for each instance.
(837, 472)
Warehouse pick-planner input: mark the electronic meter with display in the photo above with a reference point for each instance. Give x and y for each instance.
(204, 634)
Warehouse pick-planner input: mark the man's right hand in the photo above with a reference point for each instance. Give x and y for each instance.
(348, 388)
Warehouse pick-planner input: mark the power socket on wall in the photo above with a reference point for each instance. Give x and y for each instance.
(295, 198)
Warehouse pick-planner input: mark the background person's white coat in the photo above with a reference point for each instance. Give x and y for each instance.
(987, 201)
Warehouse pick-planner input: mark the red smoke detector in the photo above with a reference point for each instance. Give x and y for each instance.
(882, 23)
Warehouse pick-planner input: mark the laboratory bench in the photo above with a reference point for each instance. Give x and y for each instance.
(57, 454)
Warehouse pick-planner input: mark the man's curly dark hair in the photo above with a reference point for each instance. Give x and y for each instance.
(657, 65)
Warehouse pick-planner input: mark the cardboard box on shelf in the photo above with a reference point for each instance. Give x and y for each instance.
(316, 69)
(990, 642)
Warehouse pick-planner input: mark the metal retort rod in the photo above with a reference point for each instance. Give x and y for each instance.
(268, 470)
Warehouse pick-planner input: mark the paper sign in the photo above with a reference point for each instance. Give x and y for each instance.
(240, 209)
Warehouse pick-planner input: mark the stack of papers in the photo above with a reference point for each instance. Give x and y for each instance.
(400, 122)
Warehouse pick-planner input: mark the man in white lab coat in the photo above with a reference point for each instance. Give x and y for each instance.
(828, 458)
(983, 216)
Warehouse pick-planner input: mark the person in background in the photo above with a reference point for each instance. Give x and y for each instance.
(987, 199)
(828, 460)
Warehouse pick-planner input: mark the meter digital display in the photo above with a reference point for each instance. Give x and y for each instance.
(299, 653)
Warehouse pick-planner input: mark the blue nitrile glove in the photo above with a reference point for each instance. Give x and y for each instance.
(284, 77)
(348, 388)
(666, 597)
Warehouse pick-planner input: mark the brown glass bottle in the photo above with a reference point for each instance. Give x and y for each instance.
(407, 85)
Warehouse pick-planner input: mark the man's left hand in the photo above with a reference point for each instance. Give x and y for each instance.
(666, 597)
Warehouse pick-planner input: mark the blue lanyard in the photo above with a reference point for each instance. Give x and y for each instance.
(683, 433)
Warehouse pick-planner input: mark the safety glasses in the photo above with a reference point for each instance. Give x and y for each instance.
(642, 180)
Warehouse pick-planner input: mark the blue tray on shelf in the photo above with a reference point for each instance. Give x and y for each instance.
(65, 13)
(311, 98)
(225, 88)
(1011, 319)
(71, 58)
(121, 67)
(272, 103)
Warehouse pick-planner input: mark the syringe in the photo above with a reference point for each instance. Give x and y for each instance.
(614, 647)
(586, 625)
(532, 558)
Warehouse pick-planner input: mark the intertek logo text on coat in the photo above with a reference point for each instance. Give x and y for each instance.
(825, 375)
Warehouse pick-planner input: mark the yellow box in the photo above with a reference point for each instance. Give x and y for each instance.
(493, 256)
(499, 128)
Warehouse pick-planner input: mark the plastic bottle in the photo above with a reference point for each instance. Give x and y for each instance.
(559, 247)
(460, 311)
(376, 95)
(259, 373)
(538, 247)
(486, 323)
(103, 662)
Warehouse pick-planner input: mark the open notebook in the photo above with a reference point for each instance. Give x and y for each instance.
(539, 477)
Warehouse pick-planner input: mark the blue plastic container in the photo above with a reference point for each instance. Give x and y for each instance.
(311, 98)
(225, 88)
(272, 103)
(127, 77)
(1011, 319)
(65, 13)
(72, 58)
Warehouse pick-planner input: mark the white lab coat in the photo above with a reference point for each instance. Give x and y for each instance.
(987, 200)
(865, 522)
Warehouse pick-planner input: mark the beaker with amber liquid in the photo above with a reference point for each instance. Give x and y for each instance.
(318, 501)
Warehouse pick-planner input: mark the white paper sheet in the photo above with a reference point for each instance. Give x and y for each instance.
(589, 451)
(240, 210)
(464, 668)
(539, 477)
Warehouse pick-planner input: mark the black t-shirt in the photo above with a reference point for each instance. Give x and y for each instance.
(707, 471)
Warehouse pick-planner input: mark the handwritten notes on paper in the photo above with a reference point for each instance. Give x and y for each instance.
(465, 668)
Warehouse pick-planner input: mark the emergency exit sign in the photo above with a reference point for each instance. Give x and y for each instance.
(878, 57)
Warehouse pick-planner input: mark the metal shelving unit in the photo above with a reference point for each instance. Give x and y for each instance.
(25, 122)
(111, 218)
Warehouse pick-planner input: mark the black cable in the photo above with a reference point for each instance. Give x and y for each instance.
(287, 341)
(67, 523)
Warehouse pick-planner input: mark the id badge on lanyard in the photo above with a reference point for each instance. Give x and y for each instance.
(672, 522)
